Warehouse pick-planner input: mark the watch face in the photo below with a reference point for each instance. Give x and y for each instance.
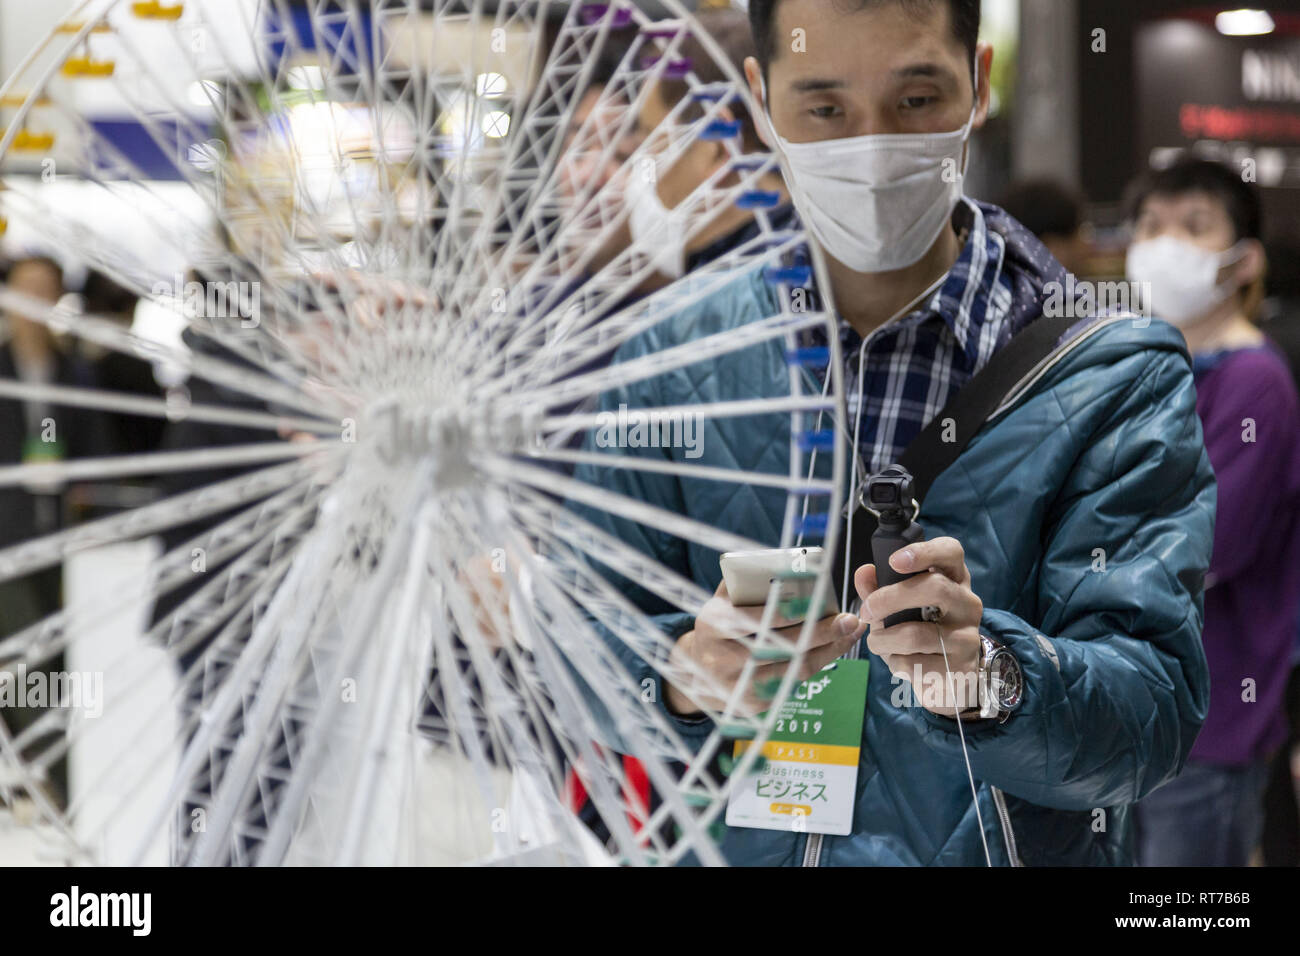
(1007, 681)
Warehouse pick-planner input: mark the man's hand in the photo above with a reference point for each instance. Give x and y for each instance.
(484, 578)
(712, 648)
(913, 649)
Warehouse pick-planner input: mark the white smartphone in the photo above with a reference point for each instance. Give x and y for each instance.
(749, 574)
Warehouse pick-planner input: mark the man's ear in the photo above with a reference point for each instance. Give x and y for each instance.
(754, 75)
(984, 61)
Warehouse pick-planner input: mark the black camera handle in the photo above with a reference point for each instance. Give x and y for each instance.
(929, 454)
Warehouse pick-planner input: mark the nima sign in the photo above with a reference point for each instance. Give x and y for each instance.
(1270, 77)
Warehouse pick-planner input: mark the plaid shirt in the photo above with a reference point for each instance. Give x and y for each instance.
(913, 365)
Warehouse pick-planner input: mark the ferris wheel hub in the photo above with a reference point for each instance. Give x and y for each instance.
(452, 435)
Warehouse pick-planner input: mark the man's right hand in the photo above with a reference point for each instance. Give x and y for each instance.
(712, 648)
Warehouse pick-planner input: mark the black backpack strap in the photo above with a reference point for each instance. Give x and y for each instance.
(947, 435)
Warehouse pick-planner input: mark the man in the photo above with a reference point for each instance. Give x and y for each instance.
(1197, 250)
(1072, 533)
(36, 431)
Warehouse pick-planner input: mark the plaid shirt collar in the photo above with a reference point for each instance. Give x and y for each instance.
(971, 300)
(907, 370)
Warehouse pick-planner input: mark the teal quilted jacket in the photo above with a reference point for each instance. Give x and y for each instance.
(1101, 455)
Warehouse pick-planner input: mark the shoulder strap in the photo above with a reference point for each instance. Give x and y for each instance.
(929, 454)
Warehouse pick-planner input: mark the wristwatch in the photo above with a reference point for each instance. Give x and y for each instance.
(1000, 680)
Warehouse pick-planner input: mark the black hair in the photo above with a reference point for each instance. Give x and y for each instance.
(1045, 207)
(102, 295)
(1240, 199)
(965, 16)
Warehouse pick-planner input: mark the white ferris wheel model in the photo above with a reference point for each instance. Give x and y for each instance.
(382, 631)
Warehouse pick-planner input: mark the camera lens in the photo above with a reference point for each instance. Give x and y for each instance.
(884, 494)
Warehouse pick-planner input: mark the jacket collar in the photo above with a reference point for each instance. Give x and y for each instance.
(970, 296)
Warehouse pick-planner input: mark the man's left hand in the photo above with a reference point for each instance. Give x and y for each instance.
(913, 650)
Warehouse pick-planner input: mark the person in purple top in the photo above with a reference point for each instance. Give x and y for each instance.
(1198, 258)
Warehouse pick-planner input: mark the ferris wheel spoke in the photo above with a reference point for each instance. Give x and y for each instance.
(611, 800)
(530, 151)
(154, 463)
(626, 272)
(676, 357)
(510, 683)
(627, 625)
(179, 509)
(131, 403)
(106, 160)
(707, 411)
(560, 527)
(275, 653)
(107, 259)
(105, 333)
(124, 780)
(619, 505)
(246, 535)
(588, 330)
(510, 711)
(642, 730)
(684, 471)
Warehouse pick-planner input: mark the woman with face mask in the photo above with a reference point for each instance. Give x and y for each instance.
(1199, 264)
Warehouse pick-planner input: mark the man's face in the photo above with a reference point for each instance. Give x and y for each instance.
(692, 168)
(39, 281)
(881, 69)
(36, 280)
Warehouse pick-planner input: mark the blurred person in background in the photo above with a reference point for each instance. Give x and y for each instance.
(35, 432)
(1055, 214)
(1280, 844)
(118, 372)
(1197, 252)
(595, 147)
(655, 191)
(652, 192)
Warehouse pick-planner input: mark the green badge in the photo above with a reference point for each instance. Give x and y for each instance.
(810, 774)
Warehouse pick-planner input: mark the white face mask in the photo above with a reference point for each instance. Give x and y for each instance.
(877, 203)
(1183, 278)
(657, 230)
